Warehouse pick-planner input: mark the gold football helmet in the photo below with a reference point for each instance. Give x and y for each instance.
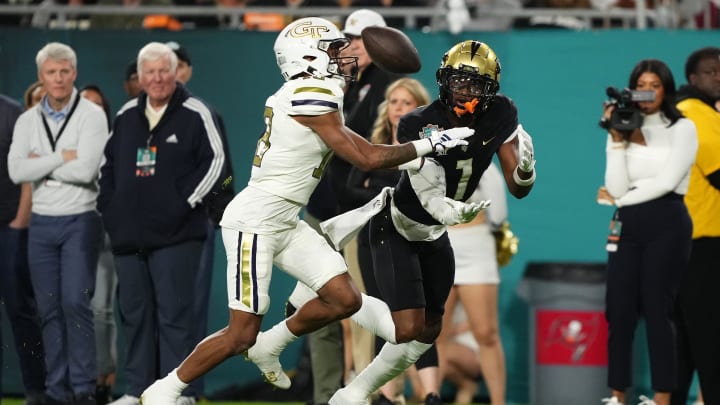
(469, 77)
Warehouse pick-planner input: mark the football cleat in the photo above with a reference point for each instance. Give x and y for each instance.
(269, 365)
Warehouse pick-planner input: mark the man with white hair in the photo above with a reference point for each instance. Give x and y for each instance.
(161, 162)
(57, 147)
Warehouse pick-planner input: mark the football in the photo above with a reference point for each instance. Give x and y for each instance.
(391, 49)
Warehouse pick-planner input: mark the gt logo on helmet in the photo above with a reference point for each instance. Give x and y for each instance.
(307, 29)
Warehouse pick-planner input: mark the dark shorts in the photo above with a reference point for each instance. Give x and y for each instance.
(410, 274)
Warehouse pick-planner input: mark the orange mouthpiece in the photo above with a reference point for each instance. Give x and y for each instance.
(468, 107)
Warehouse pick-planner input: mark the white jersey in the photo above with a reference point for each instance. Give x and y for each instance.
(289, 159)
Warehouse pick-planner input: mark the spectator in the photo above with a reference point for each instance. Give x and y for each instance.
(93, 93)
(33, 94)
(460, 353)
(184, 68)
(698, 327)
(132, 84)
(103, 302)
(221, 194)
(360, 104)
(15, 286)
(646, 175)
(162, 160)
(57, 146)
(125, 21)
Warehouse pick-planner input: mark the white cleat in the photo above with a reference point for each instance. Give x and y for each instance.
(343, 397)
(611, 401)
(158, 394)
(269, 365)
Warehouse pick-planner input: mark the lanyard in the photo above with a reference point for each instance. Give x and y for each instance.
(53, 141)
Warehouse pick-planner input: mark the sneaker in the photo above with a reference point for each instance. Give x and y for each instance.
(433, 399)
(611, 401)
(184, 400)
(646, 401)
(343, 397)
(126, 400)
(269, 365)
(158, 394)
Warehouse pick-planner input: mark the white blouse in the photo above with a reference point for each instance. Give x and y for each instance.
(640, 173)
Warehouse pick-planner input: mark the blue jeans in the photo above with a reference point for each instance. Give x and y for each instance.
(17, 294)
(63, 254)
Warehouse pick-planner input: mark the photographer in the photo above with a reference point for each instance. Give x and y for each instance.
(646, 176)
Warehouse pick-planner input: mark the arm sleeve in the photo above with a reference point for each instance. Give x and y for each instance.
(93, 135)
(23, 169)
(210, 156)
(429, 185)
(617, 181)
(682, 155)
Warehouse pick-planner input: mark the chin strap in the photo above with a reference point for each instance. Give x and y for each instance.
(468, 107)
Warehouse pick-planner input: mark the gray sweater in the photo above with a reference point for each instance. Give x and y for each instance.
(74, 189)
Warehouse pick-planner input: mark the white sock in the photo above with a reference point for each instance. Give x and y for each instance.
(277, 337)
(392, 360)
(374, 315)
(175, 382)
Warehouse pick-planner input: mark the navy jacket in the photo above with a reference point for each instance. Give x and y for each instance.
(145, 213)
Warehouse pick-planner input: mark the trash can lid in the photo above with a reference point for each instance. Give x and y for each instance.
(574, 272)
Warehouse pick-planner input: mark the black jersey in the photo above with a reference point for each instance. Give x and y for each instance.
(463, 165)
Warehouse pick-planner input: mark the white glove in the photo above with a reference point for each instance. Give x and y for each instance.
(469, 211)
(450, 138)
(526, 154)
(441, 141)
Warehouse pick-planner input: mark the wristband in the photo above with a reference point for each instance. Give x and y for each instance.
(522, 182)
(422, 146)
(415, 164)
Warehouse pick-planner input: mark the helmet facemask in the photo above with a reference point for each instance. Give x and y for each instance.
(467, 93)
(345, 66)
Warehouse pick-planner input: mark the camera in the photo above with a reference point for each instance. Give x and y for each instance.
(626, 116)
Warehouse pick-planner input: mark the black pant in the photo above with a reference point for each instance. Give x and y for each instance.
(643, 278)
(698, 323)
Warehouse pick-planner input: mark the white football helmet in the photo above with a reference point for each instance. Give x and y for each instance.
(312, 45)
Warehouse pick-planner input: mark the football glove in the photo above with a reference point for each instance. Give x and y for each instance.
(469, 211)
(526, 153)
(450, 138)
(442, 141)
